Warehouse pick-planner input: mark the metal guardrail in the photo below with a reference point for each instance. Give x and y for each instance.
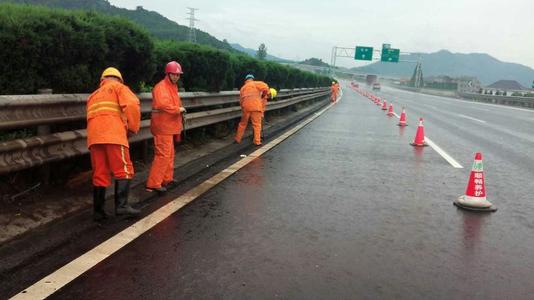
(19, 111)
(36, 110)
(505, 100)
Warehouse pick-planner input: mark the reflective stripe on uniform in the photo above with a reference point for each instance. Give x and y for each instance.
(104, 105)
(124, 163)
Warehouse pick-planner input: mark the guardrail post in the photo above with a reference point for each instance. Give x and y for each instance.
(44, 130)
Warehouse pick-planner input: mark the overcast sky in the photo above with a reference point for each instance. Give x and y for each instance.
(302, 29)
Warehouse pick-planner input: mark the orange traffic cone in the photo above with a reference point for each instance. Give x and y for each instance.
(384, 105)
(419, 140)
(475, 193)
(378, 101)
(402, 121)
(390, 111)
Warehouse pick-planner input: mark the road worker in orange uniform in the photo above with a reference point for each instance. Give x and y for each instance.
(335, 90)
(166, 123)
(113, 112)
(252, 96)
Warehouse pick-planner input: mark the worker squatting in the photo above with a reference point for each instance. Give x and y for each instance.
(114, 114)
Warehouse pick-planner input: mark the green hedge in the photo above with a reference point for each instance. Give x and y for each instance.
(67, 51)
(205, 69)
(209, 69)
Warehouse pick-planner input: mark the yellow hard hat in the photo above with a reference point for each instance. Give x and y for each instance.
(111, 72)
(273, 92)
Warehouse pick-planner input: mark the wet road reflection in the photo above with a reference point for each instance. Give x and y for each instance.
(345, 209)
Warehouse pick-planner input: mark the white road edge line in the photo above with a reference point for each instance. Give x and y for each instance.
(61, 277)
(440, 151)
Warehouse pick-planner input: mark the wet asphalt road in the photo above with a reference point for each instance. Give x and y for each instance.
(347, 209)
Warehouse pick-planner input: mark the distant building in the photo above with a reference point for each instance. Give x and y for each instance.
(504, 88)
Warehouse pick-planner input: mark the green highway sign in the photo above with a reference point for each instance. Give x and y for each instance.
(390, 54)
(533, 84)
(363, 53)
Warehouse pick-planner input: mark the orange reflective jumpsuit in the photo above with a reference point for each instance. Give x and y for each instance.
(165, 123)
(334, 89)
(113, 110)
(251, 100)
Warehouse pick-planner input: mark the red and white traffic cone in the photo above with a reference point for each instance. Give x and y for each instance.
(384, 105)
(419, 140)
(390, 111)
(475, 193)
(402, 121)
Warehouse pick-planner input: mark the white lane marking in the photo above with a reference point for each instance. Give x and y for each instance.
(61, 277)
(471, 118)
(440, 151)
(395, 114)
(443, 154)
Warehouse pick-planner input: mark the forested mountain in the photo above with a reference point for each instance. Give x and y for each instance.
(152, 21)
(483, 66)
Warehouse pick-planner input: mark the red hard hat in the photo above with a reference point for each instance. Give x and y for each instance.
(174, 68)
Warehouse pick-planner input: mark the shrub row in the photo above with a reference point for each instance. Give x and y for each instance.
(67, 51)
(209, 69)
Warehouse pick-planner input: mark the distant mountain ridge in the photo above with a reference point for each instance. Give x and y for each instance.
(152, 21)
(483, 66)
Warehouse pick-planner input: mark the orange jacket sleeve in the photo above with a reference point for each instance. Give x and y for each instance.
(264, 92)
(263, 88)
(167, 120)
(131, 108)
(163, 100)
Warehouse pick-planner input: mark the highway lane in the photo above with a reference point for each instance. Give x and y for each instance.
(505, 138)
(345, 208)
(513, 125)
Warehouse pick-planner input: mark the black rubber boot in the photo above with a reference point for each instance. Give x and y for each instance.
(99, 198)
(161, 190)
(122, 190)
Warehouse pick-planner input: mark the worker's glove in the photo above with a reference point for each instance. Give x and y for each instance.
(182, 109)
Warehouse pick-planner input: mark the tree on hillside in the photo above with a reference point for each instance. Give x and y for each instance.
(315, 62)
(262, 52)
